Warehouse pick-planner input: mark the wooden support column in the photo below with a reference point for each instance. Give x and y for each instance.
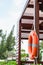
(19, 50)
(36, 19)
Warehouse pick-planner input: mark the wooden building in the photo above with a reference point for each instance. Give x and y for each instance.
(31, 19)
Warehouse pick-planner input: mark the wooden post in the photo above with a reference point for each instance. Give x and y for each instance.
(36, 19)
(19, 50)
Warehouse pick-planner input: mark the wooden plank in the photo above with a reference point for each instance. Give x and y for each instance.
(26, 26)
(31, 17)
(30, 6)
(27, 21)
(28, 31)
(24, 62)
(25, 36)
(30, 26)
(40, 0)
(19, 45)
(27, 17)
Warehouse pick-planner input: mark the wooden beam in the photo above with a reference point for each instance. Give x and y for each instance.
(24, 31)
(27, 39)
(25, 62)
(27, 17)
(31, 17)
(30, 26)
(19, 45)
(40, 27)
(26, 26)
(30, 6)
(24, 35)
(40, 0)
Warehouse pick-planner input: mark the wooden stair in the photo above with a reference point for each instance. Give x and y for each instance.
(26, 25)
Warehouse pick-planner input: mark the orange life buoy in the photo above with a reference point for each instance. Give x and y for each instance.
(32, 44)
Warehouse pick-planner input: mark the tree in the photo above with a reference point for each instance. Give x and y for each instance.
(10, 42)
(6, 43)
(2, 45)
(0, 33)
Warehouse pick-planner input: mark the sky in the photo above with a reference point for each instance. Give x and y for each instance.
(10, 12)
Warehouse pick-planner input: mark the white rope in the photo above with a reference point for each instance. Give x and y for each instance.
(34, 14)
(35, 61)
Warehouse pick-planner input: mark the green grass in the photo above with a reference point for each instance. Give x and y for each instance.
(8, 63)
(11, 63)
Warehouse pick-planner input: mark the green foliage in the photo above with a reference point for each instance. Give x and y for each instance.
(10, 42)
(23, 55)
(3, 46)
(8, 63)
(22, 50)
(41, 45)
(41, 48)
(6, 43)
(0, 32)
(40, 56)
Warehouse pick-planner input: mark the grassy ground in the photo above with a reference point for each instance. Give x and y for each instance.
(11, 63)
(8, 63)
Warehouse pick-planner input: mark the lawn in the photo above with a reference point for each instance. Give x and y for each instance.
(8, 63)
